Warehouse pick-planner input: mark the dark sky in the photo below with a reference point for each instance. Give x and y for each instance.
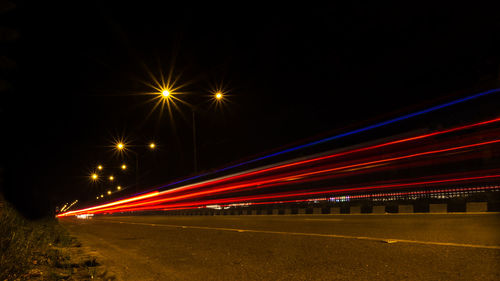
(293, 73)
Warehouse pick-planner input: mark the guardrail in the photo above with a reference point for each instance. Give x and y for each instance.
(406, 208)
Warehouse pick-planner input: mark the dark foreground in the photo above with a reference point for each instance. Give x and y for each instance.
(321, 247)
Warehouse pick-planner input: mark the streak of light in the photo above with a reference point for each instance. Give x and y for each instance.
(293, 177)
(310, 161)
(188, 206)
(156, 204)
(234, 187)
(364, 129)
(136, 198)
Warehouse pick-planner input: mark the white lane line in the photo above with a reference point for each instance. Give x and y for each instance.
(323, 219)
(386, 240)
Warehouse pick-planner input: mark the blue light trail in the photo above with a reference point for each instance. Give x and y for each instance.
(364, 129)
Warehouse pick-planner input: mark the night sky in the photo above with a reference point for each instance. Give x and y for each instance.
(292, 73)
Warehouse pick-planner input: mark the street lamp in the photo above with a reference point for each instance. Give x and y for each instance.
(118, 188)
(99, 167)
(120, 146)
(94, 176)
(109, 192)
(111, 178)
(167, 95)
(218, 96)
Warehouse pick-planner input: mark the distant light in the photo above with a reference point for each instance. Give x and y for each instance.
(111, 178)
(118, 187)
(124, 167)
(102, 195)
(120, 145)
(99, 167)
(84, 216)
(97, 197)
(109, 192)
(165, 93)
(94, 176)
(218, 95)
(152, 145)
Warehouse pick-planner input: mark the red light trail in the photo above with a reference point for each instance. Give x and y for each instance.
(311, 171)
(156, 204)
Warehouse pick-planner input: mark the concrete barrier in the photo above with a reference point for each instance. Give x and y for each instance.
(405, 209)
(355, 210)
(476, 207)
(335, 210)
(366, 209)
(378, 210)
(438, 208)
(345, 209)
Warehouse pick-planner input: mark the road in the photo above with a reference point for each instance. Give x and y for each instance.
(306, 247)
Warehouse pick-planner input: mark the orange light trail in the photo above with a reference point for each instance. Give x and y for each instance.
(309, 161)
(155, 204)
(238, 182)
(136, 198)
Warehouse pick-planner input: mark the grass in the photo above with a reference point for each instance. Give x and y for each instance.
(26, 245)
(42, 250)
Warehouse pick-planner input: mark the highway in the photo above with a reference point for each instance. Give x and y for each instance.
(295, 247)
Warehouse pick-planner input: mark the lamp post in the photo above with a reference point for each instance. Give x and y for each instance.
(120, 146)
(195, 158)
(217, 96)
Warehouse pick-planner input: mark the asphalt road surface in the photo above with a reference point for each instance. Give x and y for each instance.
(305, 247)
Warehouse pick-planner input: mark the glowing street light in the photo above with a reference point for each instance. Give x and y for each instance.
(118, 188)
(120, 146)
(97, 197)
(99, 167)
(102, 195)
(165, 94)
(109, 192)
(94, 176)
(219, 98)
(111, 178)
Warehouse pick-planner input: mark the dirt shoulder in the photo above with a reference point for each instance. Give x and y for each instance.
(44, 250)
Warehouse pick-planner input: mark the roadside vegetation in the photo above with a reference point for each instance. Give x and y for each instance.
(41, 250)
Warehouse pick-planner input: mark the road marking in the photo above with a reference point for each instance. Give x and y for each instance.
(323, 219)
(386, 240)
